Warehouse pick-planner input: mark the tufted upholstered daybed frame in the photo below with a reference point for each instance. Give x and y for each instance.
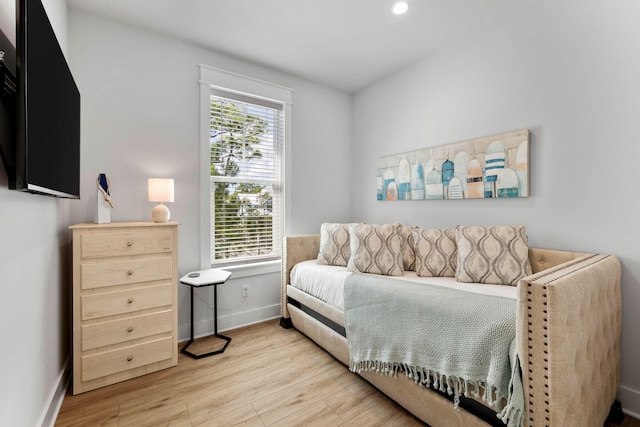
(568, 337)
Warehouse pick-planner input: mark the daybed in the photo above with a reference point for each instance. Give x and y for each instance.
(568, 322)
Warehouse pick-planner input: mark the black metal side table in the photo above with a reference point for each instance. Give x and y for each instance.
(199, 279)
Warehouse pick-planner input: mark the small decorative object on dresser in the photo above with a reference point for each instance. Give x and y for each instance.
(125, 314)
(104, 206)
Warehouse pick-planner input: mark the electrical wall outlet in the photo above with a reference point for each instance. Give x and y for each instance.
(245, 291)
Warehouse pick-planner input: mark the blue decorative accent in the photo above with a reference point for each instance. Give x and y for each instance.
(508, 192)
(404, 191)
(102, 181)
(447, 172)
(488, 184)
(417, 182)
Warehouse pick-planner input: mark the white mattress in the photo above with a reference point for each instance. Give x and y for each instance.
(326, 283)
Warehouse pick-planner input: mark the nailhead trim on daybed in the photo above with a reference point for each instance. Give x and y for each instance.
(531, 356)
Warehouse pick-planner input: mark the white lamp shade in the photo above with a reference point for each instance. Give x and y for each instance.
(160, 190)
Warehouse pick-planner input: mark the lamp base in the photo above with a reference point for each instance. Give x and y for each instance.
(160, 213)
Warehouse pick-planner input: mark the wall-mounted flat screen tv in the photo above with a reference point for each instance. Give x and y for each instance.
(47, 150)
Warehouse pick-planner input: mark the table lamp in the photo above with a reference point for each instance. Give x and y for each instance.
(160, 190)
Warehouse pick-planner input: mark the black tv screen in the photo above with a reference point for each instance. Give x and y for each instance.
(48, 109)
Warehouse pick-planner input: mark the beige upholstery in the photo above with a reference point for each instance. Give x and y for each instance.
(543, 259)
(568, 330)
(296, 249)
(568, 334)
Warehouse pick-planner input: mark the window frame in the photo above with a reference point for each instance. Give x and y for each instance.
(212, 79)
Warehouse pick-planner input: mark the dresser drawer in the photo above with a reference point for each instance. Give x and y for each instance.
(120, 360)
(119, 331)
(126, 301)
(98, 275)
(98, 245)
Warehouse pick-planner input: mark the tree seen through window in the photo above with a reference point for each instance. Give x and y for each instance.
(242, 178)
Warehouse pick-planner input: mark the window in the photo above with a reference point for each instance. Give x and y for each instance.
(243, 136)
(245, 139)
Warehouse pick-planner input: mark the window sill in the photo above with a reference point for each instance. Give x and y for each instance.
(255, 269)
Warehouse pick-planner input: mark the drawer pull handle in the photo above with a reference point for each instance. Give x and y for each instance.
(129, 358)
(130, 300)
(130, 273)
(129, 244)
(129, 329)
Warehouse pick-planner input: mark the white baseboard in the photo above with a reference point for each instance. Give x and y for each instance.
(50, 413)
(630, 400)
(246, 318)
(228, 322)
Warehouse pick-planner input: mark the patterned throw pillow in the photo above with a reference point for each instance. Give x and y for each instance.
(376, 249)
(436, 254)
(408, 253)
(497, 255)
(334, 244)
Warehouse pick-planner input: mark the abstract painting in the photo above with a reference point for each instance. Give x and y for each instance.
(494, 166)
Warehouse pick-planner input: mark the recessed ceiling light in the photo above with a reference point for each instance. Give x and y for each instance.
(400, 7)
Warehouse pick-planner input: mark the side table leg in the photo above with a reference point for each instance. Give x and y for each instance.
(215, 310)
(215, 321)
(184, 349)
(191, 314)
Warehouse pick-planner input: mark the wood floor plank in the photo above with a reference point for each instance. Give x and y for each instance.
(244, 416)
(149, 404)
(354, 400)
(384, 414)
(317, 414)
(167, 416)
(267, 377)
(89, 415)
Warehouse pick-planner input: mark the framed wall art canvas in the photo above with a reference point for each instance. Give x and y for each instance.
(494, 166)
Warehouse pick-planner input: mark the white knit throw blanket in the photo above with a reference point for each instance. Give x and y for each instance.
(450, 340)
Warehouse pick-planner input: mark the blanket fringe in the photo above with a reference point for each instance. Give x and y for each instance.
(451, 385)
(511, 416)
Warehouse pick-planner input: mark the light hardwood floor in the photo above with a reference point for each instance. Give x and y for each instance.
(268, 376)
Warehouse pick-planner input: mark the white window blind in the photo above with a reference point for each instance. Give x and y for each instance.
(246, 140)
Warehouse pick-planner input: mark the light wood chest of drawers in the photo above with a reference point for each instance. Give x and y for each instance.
(125, 315)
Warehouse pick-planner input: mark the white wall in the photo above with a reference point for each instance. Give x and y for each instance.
(140, 118)
(35, 283)
(570, 75)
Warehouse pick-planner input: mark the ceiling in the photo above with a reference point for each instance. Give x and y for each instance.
(345, 44)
